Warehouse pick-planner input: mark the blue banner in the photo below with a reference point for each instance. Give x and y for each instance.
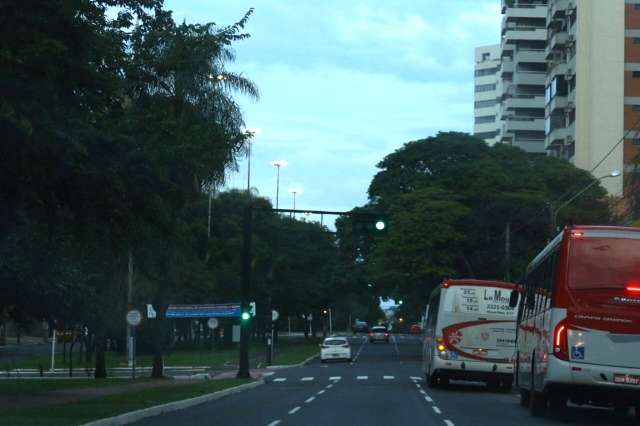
(226, 310)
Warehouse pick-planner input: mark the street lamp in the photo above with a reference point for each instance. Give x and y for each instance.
(278, 164)
(554, 216)
(295, 191)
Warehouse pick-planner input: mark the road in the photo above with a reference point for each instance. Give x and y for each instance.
(383, 386)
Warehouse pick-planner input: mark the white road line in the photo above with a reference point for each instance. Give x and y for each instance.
(280, 379)
(269, 373)
(418, 385)
(329, 386)
(307, 379)
(335, 378)
(308, 400)
(274, 423)
(388, 377)
(449, 423)
(422, 392)
(362, 377)
(320, 392)
(436, 409)
(428, 398)
(295, 410)
(417, 379)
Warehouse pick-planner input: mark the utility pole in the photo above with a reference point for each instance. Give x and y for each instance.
(552, 222)
(245, 291)
(129, 306)
(507, 251)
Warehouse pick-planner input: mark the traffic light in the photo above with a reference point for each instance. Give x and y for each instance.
(252, 309)
(380, 225)
(371, 224)
(245, 316)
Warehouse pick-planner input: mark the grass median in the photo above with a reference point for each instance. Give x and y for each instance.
(84, 411)
(19, 387)
(295, 352)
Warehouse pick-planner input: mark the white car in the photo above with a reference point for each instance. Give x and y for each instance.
(335, 348)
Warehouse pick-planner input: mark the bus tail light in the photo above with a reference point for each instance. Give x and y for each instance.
(634, 288)
(440, 344)
(560, 341)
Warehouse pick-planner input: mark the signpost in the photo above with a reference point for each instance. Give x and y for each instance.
(213, 324)
(134, 317)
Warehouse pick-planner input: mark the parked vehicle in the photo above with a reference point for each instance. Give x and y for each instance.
(579, 321)
(470, 332)
(337, 348)
(379, 333)
(416, 329)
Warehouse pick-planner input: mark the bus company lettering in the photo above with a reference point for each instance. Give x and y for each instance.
(599, 318)
(496, 297)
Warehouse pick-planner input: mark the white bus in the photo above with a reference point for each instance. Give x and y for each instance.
(579, 321)
(469, 333)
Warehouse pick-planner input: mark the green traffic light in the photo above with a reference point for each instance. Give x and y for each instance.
(380, 225)
(245, 316)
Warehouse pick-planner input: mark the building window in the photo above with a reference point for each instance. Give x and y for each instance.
(488, 71)
(485, 87)
(636, 6)
(485, 104)
(635, 74)
(486, 56)
(635, 108)
(635, 142)
(636, 40)
(486, 119)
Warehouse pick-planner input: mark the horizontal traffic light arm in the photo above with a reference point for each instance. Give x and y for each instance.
(328, 212)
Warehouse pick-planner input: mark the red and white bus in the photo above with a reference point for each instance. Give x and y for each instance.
(469, 333)
(579, 321)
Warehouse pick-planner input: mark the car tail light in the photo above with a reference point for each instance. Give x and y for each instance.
(577, 234)
(560, 341)
(386, 334)
(371, 333)
(634, 288)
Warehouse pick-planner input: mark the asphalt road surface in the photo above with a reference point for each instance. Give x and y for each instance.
(382, 386)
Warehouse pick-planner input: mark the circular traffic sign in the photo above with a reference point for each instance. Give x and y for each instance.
(134, 317)
(274, 315)
(212, 323)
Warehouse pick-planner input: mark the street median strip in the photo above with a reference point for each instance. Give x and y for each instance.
(137, 415)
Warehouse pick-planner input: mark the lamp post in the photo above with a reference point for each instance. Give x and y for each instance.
(295, 191)
(278, 164)
(554, 213)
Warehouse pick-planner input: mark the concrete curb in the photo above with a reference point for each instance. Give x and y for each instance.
(134, 416)
(301, 364)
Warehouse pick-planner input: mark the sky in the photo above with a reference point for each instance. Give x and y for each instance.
(343, 83)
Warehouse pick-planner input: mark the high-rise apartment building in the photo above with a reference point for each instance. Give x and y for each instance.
(593, 86)
(487, 65)
(522, 76)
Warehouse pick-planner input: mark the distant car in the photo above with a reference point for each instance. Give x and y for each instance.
(416, 329)
(335, 348)
(379, 334)
(360, 327)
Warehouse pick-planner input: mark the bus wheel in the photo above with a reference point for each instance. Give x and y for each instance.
(507, 384)
(537, 400)
(557, 403)
(444, 381)
(524, 397)
(432, 380)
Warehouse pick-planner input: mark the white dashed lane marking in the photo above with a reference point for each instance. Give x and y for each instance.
(449, 423)
(329, 386)
(295, 410)
(335, 378)
(388, 377)
(428, 398)
(437, 410)
(362, 377)
(416, 379)
(274, 423)
(280, 379)
(308, 400)
(307, 379)
(320, 392)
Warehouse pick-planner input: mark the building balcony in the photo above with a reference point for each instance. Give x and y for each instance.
(530, 56)
(557, 103)
(558, 8)
(556, 44)
(515, 33)
(556, 137)
(507, 66)
(537, 78)
(532, 146)
(519, 10)
(514, 124)
(556, 67)
(524, 101)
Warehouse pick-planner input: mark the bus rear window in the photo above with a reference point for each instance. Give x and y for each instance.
(596, 262)
(478, 301)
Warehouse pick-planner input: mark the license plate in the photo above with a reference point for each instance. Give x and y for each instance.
(335, 355)
(626, 379)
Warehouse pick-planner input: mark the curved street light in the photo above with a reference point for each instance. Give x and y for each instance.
(295, 191)
(554, 221)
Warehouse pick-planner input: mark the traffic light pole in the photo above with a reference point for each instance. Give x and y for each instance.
(245, 324)
(245, 290)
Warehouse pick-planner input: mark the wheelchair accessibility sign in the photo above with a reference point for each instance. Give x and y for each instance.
(577, 352)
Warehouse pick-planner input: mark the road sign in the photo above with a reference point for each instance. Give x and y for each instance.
(151, 313)
(212, 323)
(224, 310)
(274, 315)
(134, 317)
